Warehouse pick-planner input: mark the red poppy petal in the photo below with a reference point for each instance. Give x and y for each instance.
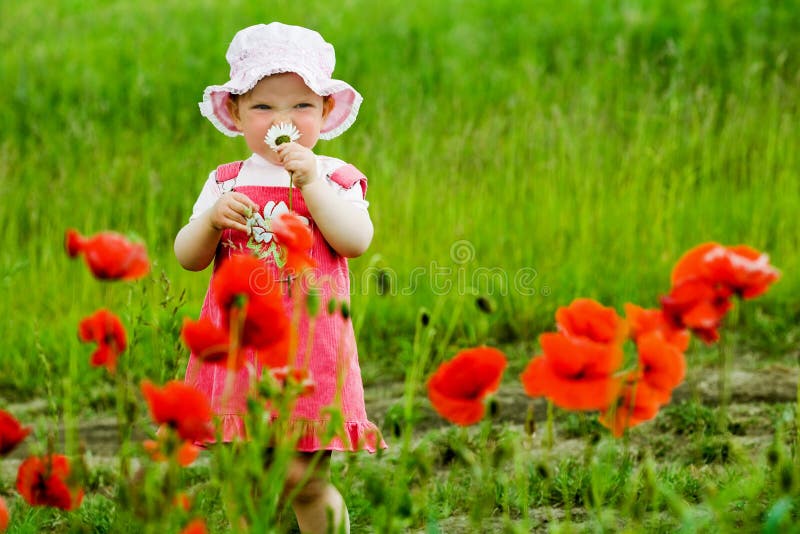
(536, 377)
(590, 319)
(73, 242)
(458, 411)
(5, 516)
(583, 394)
(12, 433)
(693, 264)
(205, 340)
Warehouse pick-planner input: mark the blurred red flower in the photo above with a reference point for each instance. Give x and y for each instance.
(295, 237)
(5, 517)
(195, 526)
(45, 481)
(576, 369)
(574, 373)
(182, 407)
(706, 277)
(458, 387)
(243, 285)
(298, 380)
(643, 321)
(698, 305)
(105, 329)
(109, 255)
(208, 342)
(11, 433)
(661, 368)
(185, 454)
(633, 407)
(742, 269)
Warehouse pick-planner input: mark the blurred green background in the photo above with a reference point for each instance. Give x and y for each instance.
(525, 152)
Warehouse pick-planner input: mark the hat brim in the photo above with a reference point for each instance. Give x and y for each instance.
(346, 100)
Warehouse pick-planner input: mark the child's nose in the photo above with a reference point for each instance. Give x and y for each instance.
(283, 116)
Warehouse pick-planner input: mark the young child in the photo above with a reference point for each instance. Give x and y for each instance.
(281, 76)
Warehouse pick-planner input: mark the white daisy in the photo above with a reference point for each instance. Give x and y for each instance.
(281, 133)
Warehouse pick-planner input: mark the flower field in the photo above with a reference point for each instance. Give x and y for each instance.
(578, 314)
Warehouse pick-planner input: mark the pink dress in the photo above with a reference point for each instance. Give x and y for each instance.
(333, 348)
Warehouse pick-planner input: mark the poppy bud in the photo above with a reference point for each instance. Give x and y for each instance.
(313, 301)
(773, 456)
(424, 318)
(787, 477)
(530, 422)
(485, 304)
(383, 282)
(542, 471)
(494, 408)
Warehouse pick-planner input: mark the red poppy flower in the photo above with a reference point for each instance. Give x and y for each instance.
(11, 433)
(642, 321)
(243, 282)
(208, 342)
(5, 517)
(697, 305)
(295, 237)
(589, 319)
(458, 387)
(742, 269)
(182, 501)
(185, 454)
(105, 329)
(45, 481)
(109, 255)
(296, 379)
(662, 367)
(634, 406)
(182, 407)
(195, 526)
(574, 373)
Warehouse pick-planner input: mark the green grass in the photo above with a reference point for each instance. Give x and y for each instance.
(525, 152)
(536, 152)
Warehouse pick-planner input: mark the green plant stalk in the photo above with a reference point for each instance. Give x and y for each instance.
(549, 438)
(723, 348)
(124, 421)
(69, 419)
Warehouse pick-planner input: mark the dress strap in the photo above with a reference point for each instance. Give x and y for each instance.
(228, 171)
(347, 176)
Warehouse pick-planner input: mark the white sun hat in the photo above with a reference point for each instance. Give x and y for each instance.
(266, 49)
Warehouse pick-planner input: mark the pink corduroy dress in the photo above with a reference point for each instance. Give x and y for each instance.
(332, 347)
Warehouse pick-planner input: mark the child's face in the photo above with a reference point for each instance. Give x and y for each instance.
(278, 98)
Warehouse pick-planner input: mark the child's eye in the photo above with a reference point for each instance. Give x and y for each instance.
(304, 105)
(261, 106)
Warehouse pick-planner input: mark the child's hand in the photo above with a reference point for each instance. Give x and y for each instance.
(300, 162)
(231, 210)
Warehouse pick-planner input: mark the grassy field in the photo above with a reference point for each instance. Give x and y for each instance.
(525, 152)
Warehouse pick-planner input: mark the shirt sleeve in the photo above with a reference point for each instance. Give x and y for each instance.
(208, 196)
(352, 195)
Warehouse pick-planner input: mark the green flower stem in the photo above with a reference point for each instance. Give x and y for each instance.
(797, 419)
(124, 419)
(723, 348)
(69, 421)
(549, 435)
